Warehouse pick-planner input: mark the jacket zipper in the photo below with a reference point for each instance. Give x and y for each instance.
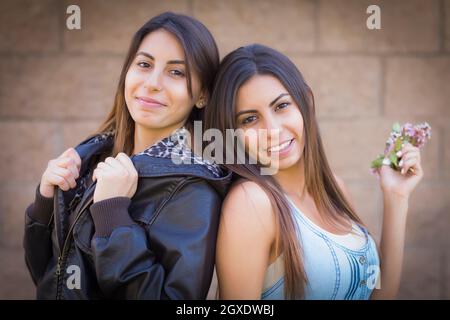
(62, 255)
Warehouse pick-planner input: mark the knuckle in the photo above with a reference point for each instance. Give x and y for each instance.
(66, 175)
(64, 161)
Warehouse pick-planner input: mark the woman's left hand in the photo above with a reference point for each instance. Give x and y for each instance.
(116, 177)
(402, 183)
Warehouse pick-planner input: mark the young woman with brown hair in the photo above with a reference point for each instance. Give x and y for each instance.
(295, 234)
(116, 217)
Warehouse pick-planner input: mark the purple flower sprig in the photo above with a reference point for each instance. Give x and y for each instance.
(416, 135)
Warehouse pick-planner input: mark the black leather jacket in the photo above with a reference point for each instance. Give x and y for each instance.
(159, 245)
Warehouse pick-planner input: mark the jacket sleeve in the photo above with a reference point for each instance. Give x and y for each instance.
(174, 259)
(37, 236)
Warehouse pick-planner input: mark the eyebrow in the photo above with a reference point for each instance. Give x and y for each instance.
(148, 55)
(278, 98)
(270, 105)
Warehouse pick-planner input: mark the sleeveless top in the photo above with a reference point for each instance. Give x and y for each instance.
(341, 267)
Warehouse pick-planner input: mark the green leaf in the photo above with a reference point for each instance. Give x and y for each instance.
(393, 158)
(378, 162)
(398, 144)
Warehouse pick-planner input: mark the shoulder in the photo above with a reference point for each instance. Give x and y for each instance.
(187, 194)
(172, 187)
(174, 201)
(248, 195)
(247, 208)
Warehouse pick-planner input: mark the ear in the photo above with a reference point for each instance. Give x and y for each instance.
(202, 100)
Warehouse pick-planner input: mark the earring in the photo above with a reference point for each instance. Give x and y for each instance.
(201, 103)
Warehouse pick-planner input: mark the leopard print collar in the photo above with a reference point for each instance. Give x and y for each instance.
(176, 146)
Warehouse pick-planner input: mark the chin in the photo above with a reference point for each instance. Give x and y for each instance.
(147, 121)
(289, 162)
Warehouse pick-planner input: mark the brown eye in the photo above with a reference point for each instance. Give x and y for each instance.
(143, 64)
(177, 73)
(282, 106)
(248, 120)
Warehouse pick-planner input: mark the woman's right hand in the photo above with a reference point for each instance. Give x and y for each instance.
(61, 172)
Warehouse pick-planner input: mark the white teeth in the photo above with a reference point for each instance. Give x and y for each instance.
(279, 147)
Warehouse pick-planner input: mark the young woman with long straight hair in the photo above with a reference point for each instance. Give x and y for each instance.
(295, 234)
(117, 217)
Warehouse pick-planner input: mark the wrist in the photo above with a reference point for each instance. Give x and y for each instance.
(395, 205)
(46, 191)
(42, 208)
(395, 196)
(110, 214)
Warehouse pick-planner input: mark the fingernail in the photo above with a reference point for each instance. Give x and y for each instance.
(400, 163)
(402, 172)
(399, 153)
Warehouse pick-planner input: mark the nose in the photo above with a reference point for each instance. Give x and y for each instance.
(154, 82)
(274, 128)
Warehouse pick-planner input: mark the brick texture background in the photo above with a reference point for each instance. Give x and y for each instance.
(56, 85)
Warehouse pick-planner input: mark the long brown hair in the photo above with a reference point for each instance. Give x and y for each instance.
(202, 57)
(238, 67)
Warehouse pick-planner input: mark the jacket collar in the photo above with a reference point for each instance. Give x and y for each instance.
(176, 148)
(169, 156)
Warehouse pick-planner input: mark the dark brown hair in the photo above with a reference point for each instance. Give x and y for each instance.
(238, 67)
(202, 57)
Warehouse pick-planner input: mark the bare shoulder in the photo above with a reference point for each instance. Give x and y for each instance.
(247, 205)
(244, 242)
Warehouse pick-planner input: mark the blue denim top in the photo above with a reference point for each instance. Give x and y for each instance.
(333, 271)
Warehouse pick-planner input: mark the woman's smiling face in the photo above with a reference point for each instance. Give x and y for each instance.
(264, 105)
(156, 91)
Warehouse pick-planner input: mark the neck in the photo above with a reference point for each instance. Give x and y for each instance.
(292, 179)
(144, 137)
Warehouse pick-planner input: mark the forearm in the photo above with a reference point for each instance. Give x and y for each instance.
(392, 246)
(127, 266)
(37, 236)
(117, 235)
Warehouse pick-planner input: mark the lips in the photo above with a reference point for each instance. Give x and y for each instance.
(280, 147)
(150, 101)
